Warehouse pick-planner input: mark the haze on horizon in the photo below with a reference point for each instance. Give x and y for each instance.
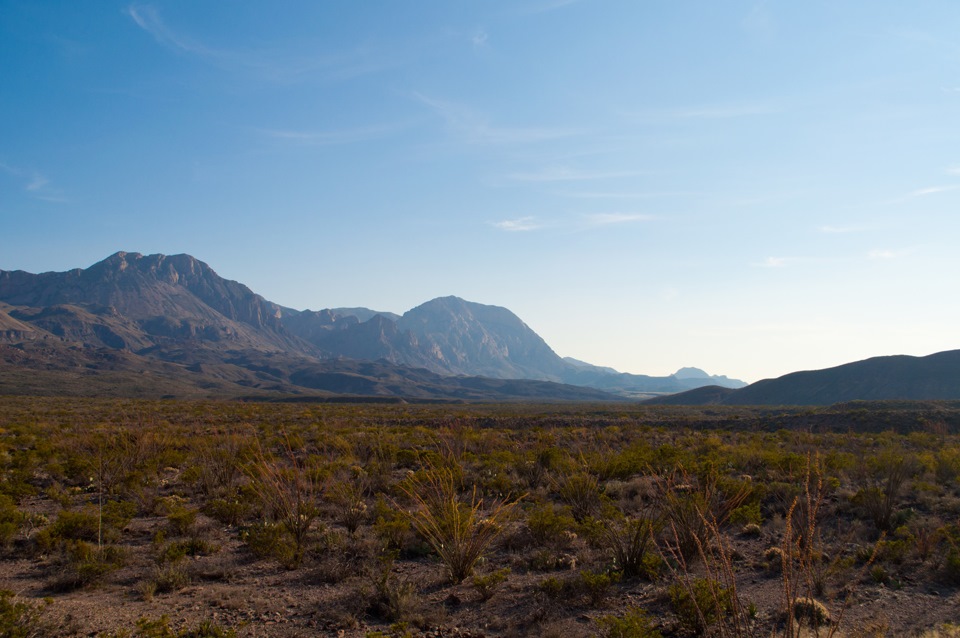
(751, 188)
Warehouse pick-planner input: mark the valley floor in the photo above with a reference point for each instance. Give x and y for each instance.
(166, 518)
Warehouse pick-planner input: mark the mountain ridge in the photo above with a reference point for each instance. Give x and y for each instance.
(177, 310)
(894, 377)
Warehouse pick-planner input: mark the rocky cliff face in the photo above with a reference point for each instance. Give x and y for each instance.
(472, 338)
(133, 301)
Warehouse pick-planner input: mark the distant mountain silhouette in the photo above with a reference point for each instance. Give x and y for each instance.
(900, 377)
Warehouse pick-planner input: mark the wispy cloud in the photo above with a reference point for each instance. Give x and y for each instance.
(933, 190)
(147, 18)
(759, 22)
(543, 6)
(479, 38)
(564, 174)
(774, 262)
(607, 219)
(885, 254)
(840, 230)
(721, 111)
(330, 138)
(36, 184)
(953, 170)
(279, 65)
(473, 128)
(521, 224)
(622, 194)
(574, 224)
(708, 111)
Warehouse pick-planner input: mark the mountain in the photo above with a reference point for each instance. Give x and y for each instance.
(135, 325)
(131, 301)
(472, 338)
(177, 310)
(451, 336)
(638, 385)
(900, 377)
(447, 335)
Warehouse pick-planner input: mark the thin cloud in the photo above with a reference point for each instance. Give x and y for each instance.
(34, 183)
(584, 222)
(475, 129)
(720, 112)
(759, 22)
(607, 219)
(329, 138)
(545, 6)
(622, 194)
(562, 174)
(147, 18)
(933, 190)
(521, 224)
(709, 112)
(953, 170)
(479, 38)
(887, 254)
(37, 183)
(277, 66)
(840, 230)
(774, 262)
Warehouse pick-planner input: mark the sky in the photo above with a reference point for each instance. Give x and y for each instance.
(752, 188)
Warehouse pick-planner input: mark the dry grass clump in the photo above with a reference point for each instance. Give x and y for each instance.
(458, 529)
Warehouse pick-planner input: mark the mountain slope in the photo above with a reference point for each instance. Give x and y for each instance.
(472, 338)
(135, 325)
(176, 309)
(136, 301)
(900, 377)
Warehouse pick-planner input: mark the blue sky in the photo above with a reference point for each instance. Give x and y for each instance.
(749, 187)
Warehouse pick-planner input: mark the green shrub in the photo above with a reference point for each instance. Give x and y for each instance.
(488, 584)
(551, 525)
(392, 599)
(597, 586)
(169, 578)
(267, 540)
(951, 566)
(180, 520)
(10, 520)
(811, 611)
(700, 604)
(87, 525)
(554, 587)
(634, 623)
(229, 511)
(161, 628)
(69, 525)
(19, 619)
(390, 526)
(749, 513)
(83, 564)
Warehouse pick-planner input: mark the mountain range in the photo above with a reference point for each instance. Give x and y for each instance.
(157, 325)
(141, 325)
